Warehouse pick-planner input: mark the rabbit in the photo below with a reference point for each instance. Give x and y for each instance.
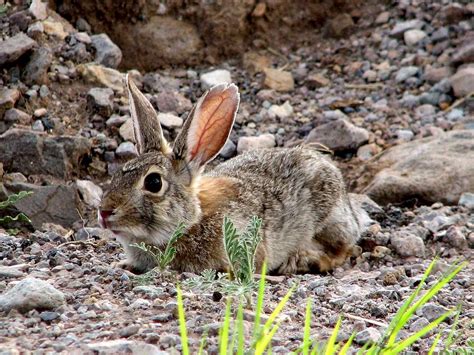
(309, 223)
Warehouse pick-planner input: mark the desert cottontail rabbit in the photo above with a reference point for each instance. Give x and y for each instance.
(308, 225)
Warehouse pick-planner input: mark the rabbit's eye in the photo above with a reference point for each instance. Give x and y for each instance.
(153, 182)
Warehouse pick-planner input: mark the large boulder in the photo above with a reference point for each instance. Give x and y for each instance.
(434, 169)
(34, 153)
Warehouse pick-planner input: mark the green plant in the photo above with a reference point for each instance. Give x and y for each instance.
(10, 201)
(231, 338)
(163, 258)
(240, 250)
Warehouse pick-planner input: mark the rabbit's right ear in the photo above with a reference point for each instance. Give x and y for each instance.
(146, 125)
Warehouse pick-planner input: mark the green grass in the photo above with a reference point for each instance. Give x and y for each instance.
(231, 339)
(9, 202)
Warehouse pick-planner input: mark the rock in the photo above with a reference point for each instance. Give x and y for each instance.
(251, 143)
(278, 80)
(406, 72)
(405, 134)
(453, 13)
(38, 9)
(215, 77)
(54, 28)
(229, 150)
(401, 27)
(90, 192)
(433, 311)
(169, 42)
(467, 200)
(98, 74)
(281, 111)
(126, 131)
(116, 120)
(370, 76)
(368, 335)
(42, 154)
(419, 324)
(129, 331)
(40, 112)
(425, 111)
(382, 18)
(14, 47)
(367, 151)
(464, 54)
(107, 52)
(38, 126)
(440, 34)
(413, 37)
(171, 101)
(340, 25)
(434, 169)
(407, 244)
(434, 75)
(48, 316)
(14, 115)
(99, 100)
(122, 346)
(455, 237)
(13, 271)
(48, 204)
(339, 135)
(463, 82)
(455, 114)
(316, 81)
(126, 150)
(29, 294)
(170, 121)
(35, 30)
(255, 63)
(8, 98)
(36, 71)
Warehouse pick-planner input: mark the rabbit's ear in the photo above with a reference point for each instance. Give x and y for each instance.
(208, 126)
(146, 125)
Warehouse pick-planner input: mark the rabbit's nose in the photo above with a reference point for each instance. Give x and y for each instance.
(103, 216)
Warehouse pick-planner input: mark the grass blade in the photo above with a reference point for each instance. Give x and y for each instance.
(240, 331)
(307, 328)
(182, 323)
(435, 342)
(259, 306)
(347, 345)
(203, 342)
(267, 337)
(224, 332)
(331, 344)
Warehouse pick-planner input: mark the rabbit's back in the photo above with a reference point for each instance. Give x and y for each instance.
(294, 190)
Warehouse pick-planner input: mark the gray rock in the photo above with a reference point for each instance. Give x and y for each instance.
(419, 324)
(38, 126)
(464, 54)
(90, 192)
(407, 244)
(90, 233)
(129, 331)
(401, 27)
(434, 169)
(251, 143)
(215, 77)
(440, 34)
(14, 47)
(339, 135)
(126, 131)
(425, 110)
(35, 30)
(41, 154)
(413, 37)
(171, 101)
(229, 150)
(8, 98)
(467, 200)
(107, 52)
(116, 120)
(36, 71)
(99, 100)
(433, 75)
(455, 237)
(38, 9)
(13, 271)
(29, 294)
(169, 120)
(151, 291)
(455, 114)
(463, 82)
(405, 134)
(126, 150)
(405, 73)
(48, 204)
(367, 335)
(122, 346)
(432, 311)
(14, 115)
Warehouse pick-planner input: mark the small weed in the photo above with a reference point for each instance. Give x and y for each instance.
(10, 201)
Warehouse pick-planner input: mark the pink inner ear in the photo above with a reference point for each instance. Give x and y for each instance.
(212, 123)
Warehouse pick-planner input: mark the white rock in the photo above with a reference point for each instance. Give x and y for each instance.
(90, 192)
(126, 150)
(126, 131)
(251, 143)
(215, 77)
(463, 82)
(281, 111)
(122, 346)
(412, 37)
(31, 293)
(467, 199)
(169, 120)
(38, 9)
(368, 335)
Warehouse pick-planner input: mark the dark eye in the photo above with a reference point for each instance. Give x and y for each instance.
(153, 182)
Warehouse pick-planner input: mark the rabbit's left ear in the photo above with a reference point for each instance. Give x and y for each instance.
(208, 126)
(146, 125)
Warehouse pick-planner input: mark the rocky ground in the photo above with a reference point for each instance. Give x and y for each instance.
(390, 95)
